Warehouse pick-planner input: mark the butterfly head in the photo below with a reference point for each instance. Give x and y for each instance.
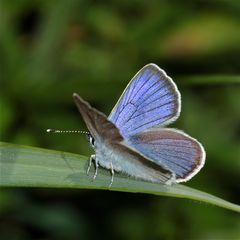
(91, 140)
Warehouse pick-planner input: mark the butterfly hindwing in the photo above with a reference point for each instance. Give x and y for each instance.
(178, 151)
(150, 99)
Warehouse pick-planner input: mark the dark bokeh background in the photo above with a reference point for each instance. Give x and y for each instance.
(50, 49)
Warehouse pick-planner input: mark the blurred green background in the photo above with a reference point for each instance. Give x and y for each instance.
(50, 49)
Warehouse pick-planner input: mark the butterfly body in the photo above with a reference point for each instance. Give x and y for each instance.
(121, 158)
(133, 139)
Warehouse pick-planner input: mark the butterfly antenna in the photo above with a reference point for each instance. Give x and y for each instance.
(50, 130)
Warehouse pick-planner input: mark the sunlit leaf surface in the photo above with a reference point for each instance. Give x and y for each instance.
(23, 166)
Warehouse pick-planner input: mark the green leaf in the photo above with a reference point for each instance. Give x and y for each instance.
(23, 166)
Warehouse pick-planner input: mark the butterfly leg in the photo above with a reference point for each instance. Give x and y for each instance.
(96, 168)
(112, 175)
(92, 157)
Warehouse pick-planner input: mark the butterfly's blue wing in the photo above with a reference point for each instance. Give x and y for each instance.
(150, 99)
(172, 148)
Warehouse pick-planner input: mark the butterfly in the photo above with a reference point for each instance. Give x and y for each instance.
(133, 138)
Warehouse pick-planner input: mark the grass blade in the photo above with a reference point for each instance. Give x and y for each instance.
(23, 166)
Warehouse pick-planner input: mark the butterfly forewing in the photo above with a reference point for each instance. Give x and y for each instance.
(150, 99)
(181, 153)
(96, 122)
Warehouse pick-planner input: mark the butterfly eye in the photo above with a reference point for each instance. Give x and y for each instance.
(90, 139)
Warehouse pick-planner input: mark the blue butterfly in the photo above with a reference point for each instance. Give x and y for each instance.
(133, 138)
